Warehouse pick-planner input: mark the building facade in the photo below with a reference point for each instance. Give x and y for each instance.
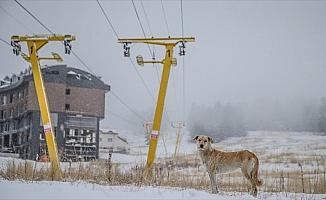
(76, 101)
(111, 142)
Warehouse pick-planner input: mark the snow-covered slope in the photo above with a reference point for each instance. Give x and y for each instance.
(63, 190)
(281, 150)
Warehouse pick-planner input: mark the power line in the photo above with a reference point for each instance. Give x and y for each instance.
(4, 41)
(173, 74)
(75, 54)
(135, 68)
(117, 36)
(183, 67)
(166, 21)
(141, 25)
(31, 14)
(107, 19)
(142, 28)
(152, 53)
(82, 62)
(146, 18)
(49, 30)
(152, 35)
(122, 118)
(181, 8)
(15, 19)
(142, 79)
(127, 106)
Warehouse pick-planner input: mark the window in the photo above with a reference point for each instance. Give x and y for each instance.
(55, 131)
(67, 91)
(4, 100)
(7, 126)
(100, 139)
(76, 132)
(67, 107)
(11, 98)
(109, 139)
(2, 114)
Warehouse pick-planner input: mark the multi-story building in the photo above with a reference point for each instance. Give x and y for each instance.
(76, 101)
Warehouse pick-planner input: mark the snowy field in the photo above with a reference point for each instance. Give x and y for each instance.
(62, 190)
(278, 151)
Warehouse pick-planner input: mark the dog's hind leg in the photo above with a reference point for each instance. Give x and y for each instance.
(212, 177)
(246, 171)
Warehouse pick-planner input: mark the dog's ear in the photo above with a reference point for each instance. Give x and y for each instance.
(196, 137)
(210, 139)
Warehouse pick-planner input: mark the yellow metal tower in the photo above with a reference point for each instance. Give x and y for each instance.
(178, 126)
(35, 43)
(169, 44)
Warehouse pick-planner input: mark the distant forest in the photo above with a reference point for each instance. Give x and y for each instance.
(225, 120)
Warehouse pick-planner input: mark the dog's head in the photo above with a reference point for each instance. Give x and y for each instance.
(203, 142)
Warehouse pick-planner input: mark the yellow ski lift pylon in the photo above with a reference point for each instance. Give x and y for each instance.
(169, 44)
(34, 44)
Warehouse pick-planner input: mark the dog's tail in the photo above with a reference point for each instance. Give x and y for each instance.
(254, 173)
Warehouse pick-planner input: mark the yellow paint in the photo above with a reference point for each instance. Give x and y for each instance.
(34, 43)
(160, 106)
(169, 44)
(178, 126)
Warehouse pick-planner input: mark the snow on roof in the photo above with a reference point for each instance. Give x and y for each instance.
(72, 72)
(109, 132)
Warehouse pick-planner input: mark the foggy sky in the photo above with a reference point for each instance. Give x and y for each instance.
(244, 50)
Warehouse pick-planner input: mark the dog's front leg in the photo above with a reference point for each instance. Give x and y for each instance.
(212, 177)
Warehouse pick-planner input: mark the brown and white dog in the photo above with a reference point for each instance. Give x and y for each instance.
(219, 162)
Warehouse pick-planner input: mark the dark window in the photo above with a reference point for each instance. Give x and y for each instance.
(11, 98)
(76, 132)
(109, 139)
(67, 106)
(52, 72)
(55, 131)
(67, 91)
(66, 133)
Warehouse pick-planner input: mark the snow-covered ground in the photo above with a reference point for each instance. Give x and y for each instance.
(62, 190)
(276, 150)
(165, 147)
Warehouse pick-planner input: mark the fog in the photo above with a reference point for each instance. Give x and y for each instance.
(264, 59)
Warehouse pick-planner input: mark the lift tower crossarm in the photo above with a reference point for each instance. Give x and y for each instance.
(25, 38)
(158, 41)
(167, 62)
(35, 43)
